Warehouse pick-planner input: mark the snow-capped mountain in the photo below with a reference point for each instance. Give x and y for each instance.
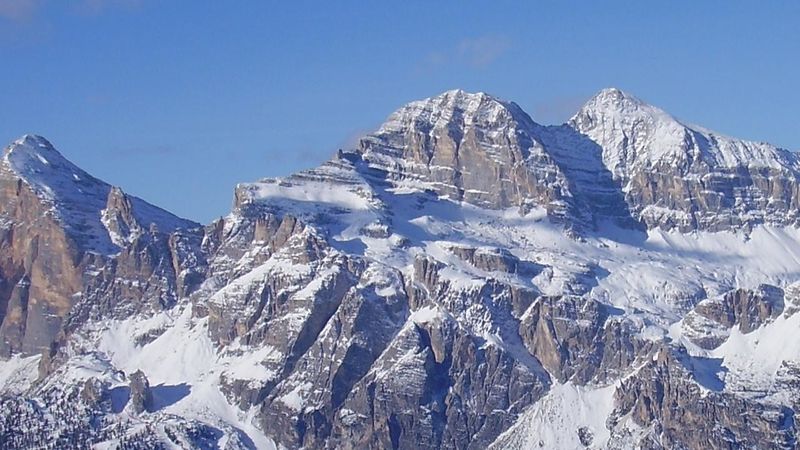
(463, 278)
(687, 177)
(99, 217)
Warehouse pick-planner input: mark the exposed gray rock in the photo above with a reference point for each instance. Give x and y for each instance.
(436, 387)
(495, 260)
(791, 300)
(586, 436)
(745, 308)
(709, 324)
(577, 339)
(675, 176)
(665, 396)
(94, 391)
(468, 146)
(141, 397)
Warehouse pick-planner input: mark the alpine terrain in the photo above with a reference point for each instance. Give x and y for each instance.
(463, 278)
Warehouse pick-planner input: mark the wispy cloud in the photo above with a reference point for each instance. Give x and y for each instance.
(474, 52)
(306, 154)
(483, 50)
(18, 10)
(300, 156)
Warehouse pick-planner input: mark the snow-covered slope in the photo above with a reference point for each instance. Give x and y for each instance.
(635, 135)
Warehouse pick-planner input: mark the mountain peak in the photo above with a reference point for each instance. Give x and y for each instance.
(34, 159)
(33, 147)
(615, 102)
(454, 107)
(615, 96)
(30, 148)
(459, 93)
(635, 134)
(33, 140)
(75, 198)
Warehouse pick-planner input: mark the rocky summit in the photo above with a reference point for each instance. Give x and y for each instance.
(462, 278)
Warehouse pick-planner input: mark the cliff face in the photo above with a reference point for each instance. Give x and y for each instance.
(489, 152)
(470, 147)
(463, 278)
(617, 158)
(73, 245)
(39, 268)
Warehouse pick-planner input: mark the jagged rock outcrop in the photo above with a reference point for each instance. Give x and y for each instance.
(663, 397)
(436, 387)
(495, 260)
(141, 397)
(746, 309)
(579, 340)
(94, 391)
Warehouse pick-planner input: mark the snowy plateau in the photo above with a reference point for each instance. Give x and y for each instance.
(462, 278)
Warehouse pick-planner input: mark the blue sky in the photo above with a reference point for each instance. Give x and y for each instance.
(177, 101)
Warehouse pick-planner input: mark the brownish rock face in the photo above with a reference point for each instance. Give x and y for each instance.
(71, 244)
(40, 268)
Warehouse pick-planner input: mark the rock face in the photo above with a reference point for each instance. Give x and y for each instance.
(73, 245)
(712, 319)
(470, 147)
(662, 397)
(463, 278)
(141, 399)
(578, 340)
(689, 178)
(749, 310)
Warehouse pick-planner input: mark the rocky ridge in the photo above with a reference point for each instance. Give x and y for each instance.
(463, 278)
